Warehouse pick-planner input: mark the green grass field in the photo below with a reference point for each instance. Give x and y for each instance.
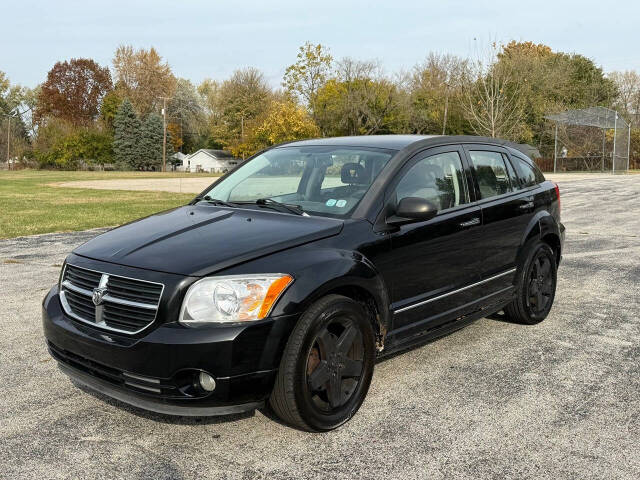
(29, 206)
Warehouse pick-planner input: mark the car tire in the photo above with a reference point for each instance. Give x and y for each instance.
(326, 367)
(536, 285)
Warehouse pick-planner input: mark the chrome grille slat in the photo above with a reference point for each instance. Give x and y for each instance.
(129, 313)
(126, 305)
(80, 305)
(83, 283)
(128, 295)
(91, 278)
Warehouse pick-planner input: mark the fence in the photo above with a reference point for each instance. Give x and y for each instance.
(575, 148)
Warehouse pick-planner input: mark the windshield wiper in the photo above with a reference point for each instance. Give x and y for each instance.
(215, 201)
(282, 207)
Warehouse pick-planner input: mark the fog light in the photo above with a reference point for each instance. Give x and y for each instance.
(207, 382)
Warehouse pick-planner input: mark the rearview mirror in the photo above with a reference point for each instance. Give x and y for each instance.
(413, 209)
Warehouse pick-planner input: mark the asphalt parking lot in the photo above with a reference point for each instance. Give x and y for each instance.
(557, 400)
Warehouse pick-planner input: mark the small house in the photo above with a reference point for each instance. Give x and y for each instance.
(209, 161)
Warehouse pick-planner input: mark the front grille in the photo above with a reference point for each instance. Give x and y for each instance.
(111, 302)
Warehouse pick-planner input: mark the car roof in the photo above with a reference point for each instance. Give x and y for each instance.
(398, 142)
(391, 142)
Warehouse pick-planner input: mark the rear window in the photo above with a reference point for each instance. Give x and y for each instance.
(491, 173)
(529, 175)
(515, 182)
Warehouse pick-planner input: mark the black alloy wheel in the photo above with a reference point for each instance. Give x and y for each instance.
(327, 365)
(335, 364)
(536, 285)
(540, 285)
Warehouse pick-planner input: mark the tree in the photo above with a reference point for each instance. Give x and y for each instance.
(549, 82)
(73, 91)
(127, 132)
(174, 136)
(60, 144)
(491, 98)
(435, 90)
(359, 100)
(186, 115)
(150, 145)
(109, 108)
(143, 78)
(13, 122)
(628, 85)
(310, 72)
(285, 122)
(241, 102)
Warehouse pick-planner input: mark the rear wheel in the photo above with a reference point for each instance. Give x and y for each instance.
(327, 366)
(536, 286)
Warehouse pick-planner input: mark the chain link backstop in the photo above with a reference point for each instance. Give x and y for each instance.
(591, 139)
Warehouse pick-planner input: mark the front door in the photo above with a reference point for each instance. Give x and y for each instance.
(434, 261)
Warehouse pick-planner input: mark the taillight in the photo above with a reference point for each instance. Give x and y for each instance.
(557, 194)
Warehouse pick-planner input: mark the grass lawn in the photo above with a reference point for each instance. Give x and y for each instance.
(28, 206)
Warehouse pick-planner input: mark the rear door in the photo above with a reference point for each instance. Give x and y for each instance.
(507, 209)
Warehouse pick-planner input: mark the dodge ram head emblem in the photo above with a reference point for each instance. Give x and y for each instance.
(98, 295)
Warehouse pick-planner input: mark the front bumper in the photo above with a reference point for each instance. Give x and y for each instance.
(155, 371)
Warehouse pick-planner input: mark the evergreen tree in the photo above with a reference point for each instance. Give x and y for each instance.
(150, 145)
(126, 136)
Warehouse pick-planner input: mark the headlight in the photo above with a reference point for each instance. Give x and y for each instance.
(233, 298)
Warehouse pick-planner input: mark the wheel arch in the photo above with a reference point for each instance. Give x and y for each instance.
(369, 303)
(345, 273)
(544, 227)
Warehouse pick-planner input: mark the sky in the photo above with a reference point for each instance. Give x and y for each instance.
(210, 39)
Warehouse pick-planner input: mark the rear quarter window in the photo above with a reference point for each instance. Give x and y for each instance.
(529, 175)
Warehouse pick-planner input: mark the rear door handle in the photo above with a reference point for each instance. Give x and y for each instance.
(526, 206)
(470, 223)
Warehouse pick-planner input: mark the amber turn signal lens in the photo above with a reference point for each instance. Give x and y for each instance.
(276, 288)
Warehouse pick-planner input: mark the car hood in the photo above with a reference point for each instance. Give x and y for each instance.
(202, 239)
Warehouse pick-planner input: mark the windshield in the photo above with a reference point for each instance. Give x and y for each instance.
(320, 180)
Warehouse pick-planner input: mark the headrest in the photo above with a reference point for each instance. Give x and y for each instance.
(354, 174)
(433, 171)
(486, 175)
(426, 174)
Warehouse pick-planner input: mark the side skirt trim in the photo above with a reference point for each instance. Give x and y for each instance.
(453, 292)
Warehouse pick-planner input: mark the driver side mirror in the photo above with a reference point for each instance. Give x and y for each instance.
(413, 209)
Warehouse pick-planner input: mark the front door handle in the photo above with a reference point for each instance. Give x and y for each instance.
(470, 223)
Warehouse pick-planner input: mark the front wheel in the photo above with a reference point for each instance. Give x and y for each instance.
(327, 365)
(536, 287)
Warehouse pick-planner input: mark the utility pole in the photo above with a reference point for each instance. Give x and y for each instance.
(446, 107)
(615, 134)
(9, 117)
(628, 147)
(8, 142)
(242, 133)
(164, 132)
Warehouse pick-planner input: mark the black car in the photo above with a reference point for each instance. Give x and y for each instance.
(284, 280)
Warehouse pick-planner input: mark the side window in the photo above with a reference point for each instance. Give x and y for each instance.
(491, 173)
(515, 183)
(527, 173)
(438, 178)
